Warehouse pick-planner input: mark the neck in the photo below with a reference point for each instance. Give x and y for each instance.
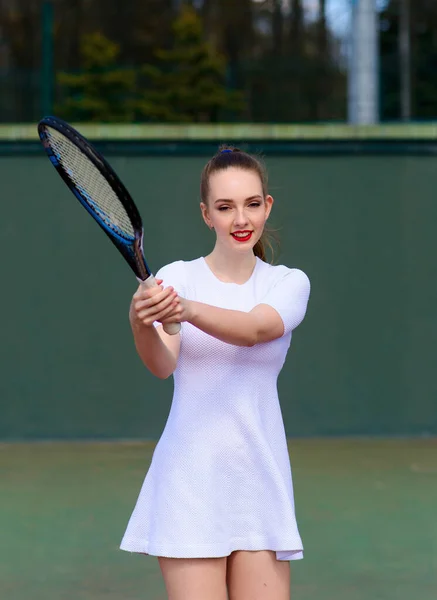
(231, 266)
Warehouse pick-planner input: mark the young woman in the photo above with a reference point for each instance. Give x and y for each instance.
(217, 503)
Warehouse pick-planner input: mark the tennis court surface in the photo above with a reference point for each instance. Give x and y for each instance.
(366, 511)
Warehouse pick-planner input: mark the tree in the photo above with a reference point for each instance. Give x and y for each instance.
(230, 27)
(137, 26)
(187, 83)
(18, 32)
(277, 28)
(19, 59)
(423, 27)
(324, 61)
(288, 66)
(297, 27)
(101, 91)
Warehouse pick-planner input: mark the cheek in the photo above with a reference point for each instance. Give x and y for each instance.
(261, 218)
(221, 219)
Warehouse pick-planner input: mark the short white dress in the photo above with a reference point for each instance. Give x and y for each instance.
(220, 477)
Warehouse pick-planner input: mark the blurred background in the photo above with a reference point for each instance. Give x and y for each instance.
(250, 61)
(339, 97)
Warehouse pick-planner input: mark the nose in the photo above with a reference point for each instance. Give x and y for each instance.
(241, 219)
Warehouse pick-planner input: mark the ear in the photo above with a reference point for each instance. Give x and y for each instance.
(205, 214)
(268, 201)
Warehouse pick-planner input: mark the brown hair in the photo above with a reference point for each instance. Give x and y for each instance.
(227, 157)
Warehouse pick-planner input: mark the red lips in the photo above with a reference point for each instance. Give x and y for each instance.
(242, 236)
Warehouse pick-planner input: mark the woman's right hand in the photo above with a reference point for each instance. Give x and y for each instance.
(150, 304)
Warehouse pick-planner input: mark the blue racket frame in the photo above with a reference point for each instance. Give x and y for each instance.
(130, 247)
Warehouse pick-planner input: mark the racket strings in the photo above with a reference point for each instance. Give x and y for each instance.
(91, 184)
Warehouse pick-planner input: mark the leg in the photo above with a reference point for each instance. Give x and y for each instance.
(258, 576)
(194, 578)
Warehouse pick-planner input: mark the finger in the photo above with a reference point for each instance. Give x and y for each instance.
(147, 289)
(175, 316)
(148, 318)
(152, 297)
(154, 308)
(143, 293)
(147, 310)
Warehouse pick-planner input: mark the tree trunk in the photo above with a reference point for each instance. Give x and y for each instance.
(277, 28)
(323, 64)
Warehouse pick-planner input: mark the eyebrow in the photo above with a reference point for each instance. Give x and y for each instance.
(256, 197)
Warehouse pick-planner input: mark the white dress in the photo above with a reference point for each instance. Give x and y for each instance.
(220, 477)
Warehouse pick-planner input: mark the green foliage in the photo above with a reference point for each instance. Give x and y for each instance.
(187, 82)
(291, 68)
(101, 91)
(423, 27)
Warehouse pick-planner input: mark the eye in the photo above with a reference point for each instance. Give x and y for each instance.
(223, 208)
(255, 204)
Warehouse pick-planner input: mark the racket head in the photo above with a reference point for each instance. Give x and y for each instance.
(97, 187)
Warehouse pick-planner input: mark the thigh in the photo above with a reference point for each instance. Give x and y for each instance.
(258, 576)
(194, 578)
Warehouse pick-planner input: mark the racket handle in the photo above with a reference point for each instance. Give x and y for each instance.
(170, 328)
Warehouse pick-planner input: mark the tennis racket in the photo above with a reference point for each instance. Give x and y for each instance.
(97, 187)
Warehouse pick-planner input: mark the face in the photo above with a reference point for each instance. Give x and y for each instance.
(236, 208)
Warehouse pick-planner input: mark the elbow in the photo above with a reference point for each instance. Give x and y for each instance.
(164, 375)
(254, 333)
(162, 372)
(251, 341)
(262, 336)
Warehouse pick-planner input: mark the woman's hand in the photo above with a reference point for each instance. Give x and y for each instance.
(183, 310)
(153, 304)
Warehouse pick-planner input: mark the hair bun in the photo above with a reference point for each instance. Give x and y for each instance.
(226, 149)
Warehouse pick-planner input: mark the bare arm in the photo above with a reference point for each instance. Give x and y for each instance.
(284, 308)
(262, 324)
(158, 351)
(158, 354)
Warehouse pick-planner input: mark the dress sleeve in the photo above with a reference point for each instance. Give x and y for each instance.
(174, 275)
(289, 297)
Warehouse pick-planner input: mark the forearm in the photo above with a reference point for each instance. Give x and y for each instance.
(153, 352)
(231, 326)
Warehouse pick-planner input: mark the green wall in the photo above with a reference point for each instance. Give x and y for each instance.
(363, 361)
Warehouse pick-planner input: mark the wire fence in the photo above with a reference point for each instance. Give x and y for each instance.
(255, 61)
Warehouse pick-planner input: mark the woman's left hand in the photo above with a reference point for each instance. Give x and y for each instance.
(183, 311)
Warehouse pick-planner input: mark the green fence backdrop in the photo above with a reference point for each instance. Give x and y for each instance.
(363, 361)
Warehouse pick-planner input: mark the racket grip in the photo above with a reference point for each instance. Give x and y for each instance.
(169, 328)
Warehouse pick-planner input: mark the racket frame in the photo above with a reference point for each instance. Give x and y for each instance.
(132, 250)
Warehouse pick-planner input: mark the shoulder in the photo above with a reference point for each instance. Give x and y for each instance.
(287, 290)
(181, 266)
(179, 272)
(276, 274)
(172, 268)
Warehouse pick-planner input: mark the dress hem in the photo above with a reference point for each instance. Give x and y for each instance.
(210, 550)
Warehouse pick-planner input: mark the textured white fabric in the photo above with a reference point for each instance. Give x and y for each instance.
(220, 477)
